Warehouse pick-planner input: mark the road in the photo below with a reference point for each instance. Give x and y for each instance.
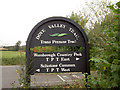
(10, 78)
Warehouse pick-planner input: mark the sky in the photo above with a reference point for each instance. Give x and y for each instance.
(18, 17)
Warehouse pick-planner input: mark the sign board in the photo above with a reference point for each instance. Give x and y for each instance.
(57, 45)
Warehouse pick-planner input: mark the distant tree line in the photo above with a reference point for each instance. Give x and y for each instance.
(16, 47)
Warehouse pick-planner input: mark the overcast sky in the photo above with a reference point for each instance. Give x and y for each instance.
(18, 17)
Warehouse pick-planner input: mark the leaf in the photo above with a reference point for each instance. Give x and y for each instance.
(114, 68)
(53, 35)
(111, 34)
(115, 61)
(63, 34)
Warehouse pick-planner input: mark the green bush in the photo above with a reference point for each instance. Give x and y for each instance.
(106, 59)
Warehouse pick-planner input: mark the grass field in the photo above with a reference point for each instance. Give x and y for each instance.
(13, 58)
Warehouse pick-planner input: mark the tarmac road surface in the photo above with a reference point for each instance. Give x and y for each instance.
(10, 78)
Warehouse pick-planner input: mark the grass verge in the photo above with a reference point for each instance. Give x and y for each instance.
(13, 58)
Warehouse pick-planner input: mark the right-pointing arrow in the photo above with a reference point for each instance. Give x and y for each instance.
(38, 70)
(77, 58)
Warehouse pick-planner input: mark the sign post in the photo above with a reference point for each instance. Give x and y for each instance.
(57, 45)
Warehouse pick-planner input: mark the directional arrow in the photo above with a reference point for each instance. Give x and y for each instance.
(38, 70)
(77, 58)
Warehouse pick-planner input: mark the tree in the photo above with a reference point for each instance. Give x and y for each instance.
(107, 58)
(82, 20)
(104, 40)
(17, 45)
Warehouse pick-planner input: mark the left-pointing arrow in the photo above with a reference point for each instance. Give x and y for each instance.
(38, 70)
